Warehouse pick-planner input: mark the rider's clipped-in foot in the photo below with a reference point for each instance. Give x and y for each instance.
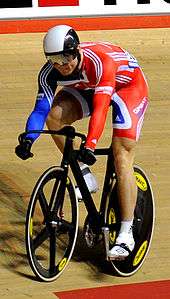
(123, 246)
(89, 179)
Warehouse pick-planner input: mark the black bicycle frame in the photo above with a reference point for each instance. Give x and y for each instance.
(70, 158)
(95, 215)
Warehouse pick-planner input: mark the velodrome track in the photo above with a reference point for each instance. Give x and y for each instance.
(21, 56)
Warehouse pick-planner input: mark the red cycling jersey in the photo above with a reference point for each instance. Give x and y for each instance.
(110, 71)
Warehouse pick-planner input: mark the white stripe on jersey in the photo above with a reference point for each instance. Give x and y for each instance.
(123, 79)
(43, 80)
(97, 63)
(70, 82)
(120, 81)
(118, 56)
(104, 89)
(126, 78)
(140, 122)
(125, 68)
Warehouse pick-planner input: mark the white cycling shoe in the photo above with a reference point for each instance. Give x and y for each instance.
(123, 246)
(90, 181)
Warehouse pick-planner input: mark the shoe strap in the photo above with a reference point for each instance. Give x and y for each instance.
(124, 246)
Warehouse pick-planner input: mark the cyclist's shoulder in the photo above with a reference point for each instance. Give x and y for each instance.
(100, 51)
(46, 68)
(100, 47)
(47, 72)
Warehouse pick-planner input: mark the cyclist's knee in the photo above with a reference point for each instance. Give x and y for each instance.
(124, 151)
(54, 119)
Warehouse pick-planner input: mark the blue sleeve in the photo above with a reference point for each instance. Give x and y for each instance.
(37, 118)
(44, 101)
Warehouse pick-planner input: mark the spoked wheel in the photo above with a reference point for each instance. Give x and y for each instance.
(51, 224)
(143, 224)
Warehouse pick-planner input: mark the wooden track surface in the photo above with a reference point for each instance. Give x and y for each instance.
(20, 59)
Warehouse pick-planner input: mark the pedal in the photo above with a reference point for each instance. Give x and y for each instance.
(90, 237)
(106, 240)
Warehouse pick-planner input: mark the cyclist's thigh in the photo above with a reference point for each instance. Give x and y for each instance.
(71, 104)
(129, 106)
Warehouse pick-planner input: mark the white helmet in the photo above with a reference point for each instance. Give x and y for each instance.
(60, 39)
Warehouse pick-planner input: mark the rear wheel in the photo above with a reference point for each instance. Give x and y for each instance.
(51, 224)
(143, 224)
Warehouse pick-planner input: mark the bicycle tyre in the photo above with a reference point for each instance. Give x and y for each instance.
(143, 224)
(50, 244)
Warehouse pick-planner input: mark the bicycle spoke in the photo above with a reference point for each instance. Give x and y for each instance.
(40, 238)
(52, 250)
(60, 194)
(53, 193)
(43, 204)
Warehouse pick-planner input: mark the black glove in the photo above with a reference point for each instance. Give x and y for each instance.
(23, 149)
(87, 156)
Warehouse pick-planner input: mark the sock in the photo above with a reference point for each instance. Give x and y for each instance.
(126, 226)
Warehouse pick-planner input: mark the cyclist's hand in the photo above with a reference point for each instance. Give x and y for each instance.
(87, 156)
(23, 149)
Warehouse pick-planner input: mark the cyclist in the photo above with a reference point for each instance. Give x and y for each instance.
(93, 76)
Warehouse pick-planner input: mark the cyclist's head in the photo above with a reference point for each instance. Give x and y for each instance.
(61, 44)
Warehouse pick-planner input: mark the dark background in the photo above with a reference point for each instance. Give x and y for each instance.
(15, 3)
(113, 2)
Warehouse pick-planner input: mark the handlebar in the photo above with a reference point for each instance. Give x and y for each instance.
(68, 131)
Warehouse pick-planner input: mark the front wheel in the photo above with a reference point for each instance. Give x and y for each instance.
(143, 224)
(51, 224)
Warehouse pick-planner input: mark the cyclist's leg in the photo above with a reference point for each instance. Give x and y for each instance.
(129, 106)
(124, 151)
(65, 110)
(68, 106)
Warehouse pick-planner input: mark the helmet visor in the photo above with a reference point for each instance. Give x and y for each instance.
(61, 59)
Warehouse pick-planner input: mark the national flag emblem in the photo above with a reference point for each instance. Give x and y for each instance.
(45, 3)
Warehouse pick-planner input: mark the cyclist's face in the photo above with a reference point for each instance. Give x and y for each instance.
(67, 68)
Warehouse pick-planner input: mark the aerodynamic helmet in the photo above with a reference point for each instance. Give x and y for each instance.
(60, 44)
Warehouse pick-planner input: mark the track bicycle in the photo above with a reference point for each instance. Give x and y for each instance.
(52, 218)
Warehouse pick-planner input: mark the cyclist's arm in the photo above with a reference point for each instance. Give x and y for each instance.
(37, 118)
(101, 101)
(97, 121)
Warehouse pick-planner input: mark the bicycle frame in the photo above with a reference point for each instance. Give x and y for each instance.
(70, 158)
